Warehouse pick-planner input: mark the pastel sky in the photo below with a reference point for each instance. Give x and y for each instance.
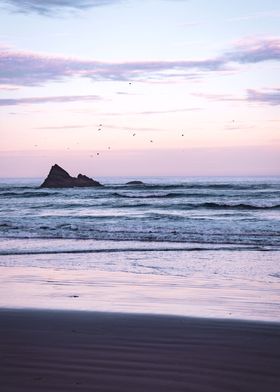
(140, 87)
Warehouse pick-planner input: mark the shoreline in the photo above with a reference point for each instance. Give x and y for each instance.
(98, 284)
(52, 350)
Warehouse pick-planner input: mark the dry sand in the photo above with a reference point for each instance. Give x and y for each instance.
(82, 351)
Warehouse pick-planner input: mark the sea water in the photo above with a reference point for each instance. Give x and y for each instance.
(192, 246)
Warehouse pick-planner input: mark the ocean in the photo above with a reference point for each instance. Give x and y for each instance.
(191, 246)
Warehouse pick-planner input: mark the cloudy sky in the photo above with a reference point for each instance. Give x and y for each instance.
(140, 87)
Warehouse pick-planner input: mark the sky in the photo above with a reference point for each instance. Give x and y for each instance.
(140, 87)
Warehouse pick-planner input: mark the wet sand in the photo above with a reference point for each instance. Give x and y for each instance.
(85, 351)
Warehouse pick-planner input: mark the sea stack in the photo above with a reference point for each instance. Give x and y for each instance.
(135, 183)
(59, 178)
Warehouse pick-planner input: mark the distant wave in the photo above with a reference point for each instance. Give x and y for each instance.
(127, 250)
(170, 195)
(275, 275)
(158, 192)
(152, 210)
(221, 186)
(241, 206)
(81, 232)
(28, 194)
(207, 205)
(29, 191)
(145, 196)
(175, 195)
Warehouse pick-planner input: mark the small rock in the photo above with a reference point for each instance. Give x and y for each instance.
(135, 183)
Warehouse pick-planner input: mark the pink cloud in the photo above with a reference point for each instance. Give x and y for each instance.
(268, 96)
(217, 97)
(31, 69)
(38, 100)
(47, 7)
(252, 50)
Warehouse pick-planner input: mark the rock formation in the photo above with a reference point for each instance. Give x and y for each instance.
(59, 178)
(135, 183)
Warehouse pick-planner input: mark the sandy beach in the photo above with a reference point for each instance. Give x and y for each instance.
(88, 351)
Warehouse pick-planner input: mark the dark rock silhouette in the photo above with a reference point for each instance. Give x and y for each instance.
(135, 183)
(59, 178)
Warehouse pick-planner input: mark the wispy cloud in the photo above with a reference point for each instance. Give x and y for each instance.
(132, 128)
(168, 111)
(31, 69)
(40, 100)
(217, 97)
(49, 7)
(22, 68)
(8, 88)
(62, 127)
(268, 96)
(190, 24)
(256, 16)
(104, 127)
(252, 50)
(152, 112)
